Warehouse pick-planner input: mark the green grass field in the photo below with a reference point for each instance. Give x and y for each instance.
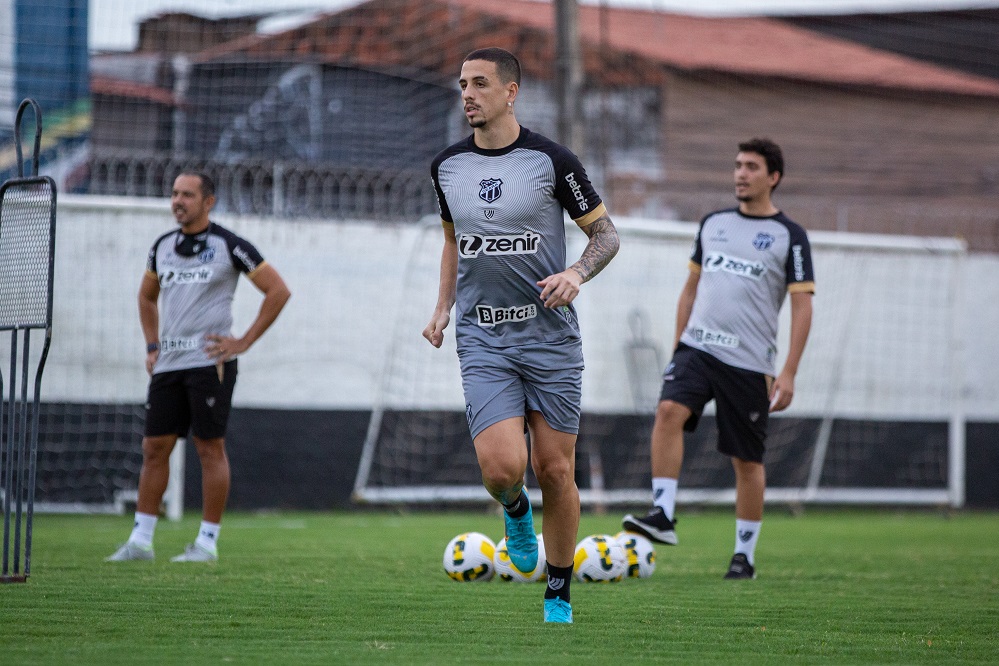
(836, 587)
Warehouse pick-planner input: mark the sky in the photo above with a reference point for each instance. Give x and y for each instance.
(114, 23)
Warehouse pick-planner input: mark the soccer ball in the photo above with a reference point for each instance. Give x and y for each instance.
(640, 554)
(506, 571)
(599, 558)
(469, 557)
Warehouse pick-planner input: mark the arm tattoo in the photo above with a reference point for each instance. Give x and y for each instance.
(604, 244)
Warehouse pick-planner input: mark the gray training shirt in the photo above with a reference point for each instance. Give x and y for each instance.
(506, 207)
(196, 291)
(746, 265)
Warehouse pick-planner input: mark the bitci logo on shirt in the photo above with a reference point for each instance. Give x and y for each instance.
(490, 316)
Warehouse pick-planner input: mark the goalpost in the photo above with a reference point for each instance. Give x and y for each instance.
(877, 417)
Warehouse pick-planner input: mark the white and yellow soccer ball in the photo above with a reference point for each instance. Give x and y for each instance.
(469, 557)
(506, 571)
(639, 553)
(599, 559)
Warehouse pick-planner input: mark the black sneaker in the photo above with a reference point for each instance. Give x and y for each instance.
(740, 567)
(655, 525)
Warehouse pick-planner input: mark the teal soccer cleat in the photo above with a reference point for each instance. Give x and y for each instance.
(521, 541)
(557, 610)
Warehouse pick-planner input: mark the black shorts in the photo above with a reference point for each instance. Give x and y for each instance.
(694, 377)
(196, 400)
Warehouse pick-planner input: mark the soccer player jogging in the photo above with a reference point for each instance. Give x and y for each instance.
(185, 309)
(502, 193)
(744, 261)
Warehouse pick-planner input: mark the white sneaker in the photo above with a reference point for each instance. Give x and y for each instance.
(131, 551)
(195, 553)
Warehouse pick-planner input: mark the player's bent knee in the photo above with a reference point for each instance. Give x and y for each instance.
(499, 478)
(671, 414)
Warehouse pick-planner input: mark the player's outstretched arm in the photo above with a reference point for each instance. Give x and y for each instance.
(276, 294)
(560, 289)
(434, 332)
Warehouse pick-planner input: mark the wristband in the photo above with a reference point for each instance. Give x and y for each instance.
(152, 346)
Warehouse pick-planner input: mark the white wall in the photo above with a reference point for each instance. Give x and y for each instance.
(363, 292)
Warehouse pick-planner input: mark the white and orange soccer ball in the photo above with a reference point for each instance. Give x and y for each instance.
(469, 557)
(599, 559)
(506, 571)
(639, 553)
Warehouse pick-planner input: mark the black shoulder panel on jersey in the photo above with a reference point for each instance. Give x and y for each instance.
(463, 146)
(799, 266)
(242, 253)
(151, 257)
(572, 186)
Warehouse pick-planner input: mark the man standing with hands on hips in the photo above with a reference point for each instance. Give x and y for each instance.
(185, 309)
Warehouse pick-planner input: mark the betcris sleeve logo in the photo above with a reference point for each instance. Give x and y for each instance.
(798, 262)
(471, 246)
(244, 257)
(577, 192)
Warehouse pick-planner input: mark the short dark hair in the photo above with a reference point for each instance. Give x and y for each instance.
(507, 65)
(770, 151)
(207, 184)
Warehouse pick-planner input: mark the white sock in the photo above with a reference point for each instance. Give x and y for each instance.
(746, 534)
(208, 536)
(145, 527)
(664, 494)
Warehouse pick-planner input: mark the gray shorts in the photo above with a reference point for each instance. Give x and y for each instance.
(501, 383)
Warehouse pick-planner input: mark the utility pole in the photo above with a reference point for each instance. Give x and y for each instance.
(568, 75)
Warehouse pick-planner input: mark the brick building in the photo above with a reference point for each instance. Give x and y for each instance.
(874, 141)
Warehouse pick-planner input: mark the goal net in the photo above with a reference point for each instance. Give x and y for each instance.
(877, 416)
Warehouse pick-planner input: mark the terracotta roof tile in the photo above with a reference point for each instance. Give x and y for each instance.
(102, 85)
(751, 46)
(741, 46)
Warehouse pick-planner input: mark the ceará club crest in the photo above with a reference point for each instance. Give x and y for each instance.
(490, 189)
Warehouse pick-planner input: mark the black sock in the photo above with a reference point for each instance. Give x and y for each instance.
(518, 507)
(558, 582)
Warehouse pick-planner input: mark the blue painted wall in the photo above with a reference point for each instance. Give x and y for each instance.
(51, 52)
(50, 66)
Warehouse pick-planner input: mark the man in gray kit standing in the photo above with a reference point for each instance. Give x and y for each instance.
(502, 193)
(185, 308)
(745, 261)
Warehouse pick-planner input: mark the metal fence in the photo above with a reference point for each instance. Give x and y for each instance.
(274, 188)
